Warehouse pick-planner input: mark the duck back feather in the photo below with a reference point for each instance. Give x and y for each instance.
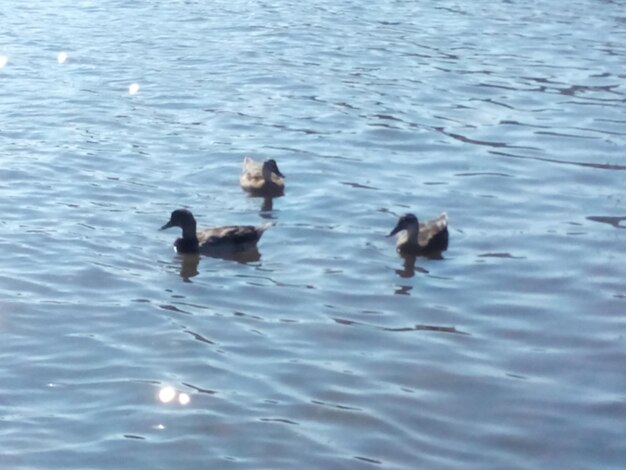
(212, 241)
(262, 179)
(416, 237)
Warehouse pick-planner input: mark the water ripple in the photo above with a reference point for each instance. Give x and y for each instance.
(326, 349)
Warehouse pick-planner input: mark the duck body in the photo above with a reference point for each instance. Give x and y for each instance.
(212, 241)
(262, 179)
(415, 237)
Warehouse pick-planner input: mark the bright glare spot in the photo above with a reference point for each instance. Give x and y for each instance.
(167, 394)
(159, 427)
(61, 57)
(3, 60)
(184, 399)
(133, 88)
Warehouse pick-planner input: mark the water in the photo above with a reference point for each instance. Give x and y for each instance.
(331, 351)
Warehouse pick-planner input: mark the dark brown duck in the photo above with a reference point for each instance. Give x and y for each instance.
(212, 240)
(416, 237)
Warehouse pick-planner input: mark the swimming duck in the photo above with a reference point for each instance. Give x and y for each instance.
(215, 241)
(262, 179)
(415, 237)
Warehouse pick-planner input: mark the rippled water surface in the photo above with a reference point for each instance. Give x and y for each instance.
(331, 351)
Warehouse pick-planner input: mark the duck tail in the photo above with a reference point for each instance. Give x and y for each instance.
(265, 226)
(260, 229)
(442, 221)
(247, 161)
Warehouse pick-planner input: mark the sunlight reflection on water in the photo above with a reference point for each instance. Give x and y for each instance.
(168, 394)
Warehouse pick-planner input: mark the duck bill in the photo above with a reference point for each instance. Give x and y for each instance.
(167, 225)
(277, 171)
(395, 230)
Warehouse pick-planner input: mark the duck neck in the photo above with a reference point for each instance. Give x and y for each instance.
(267, 174)
(188, 243)
(189, 231)
(412, 233)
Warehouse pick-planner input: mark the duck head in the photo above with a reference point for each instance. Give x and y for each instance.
(270, 167)
(406, 222)
(181, 218)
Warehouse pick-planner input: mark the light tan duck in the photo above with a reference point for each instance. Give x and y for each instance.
(217, 241)
(262, 179)
(415, 237)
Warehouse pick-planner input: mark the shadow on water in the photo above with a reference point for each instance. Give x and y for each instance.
(614, 221)
(403, 329)
(189, 262)
(267, 208)
(599, 166)
(189, 266)
(434, 328)
(248, 254)
(408, 266)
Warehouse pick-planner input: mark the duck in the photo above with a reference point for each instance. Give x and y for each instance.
(262, 179)
(415, 237)
(216, 241)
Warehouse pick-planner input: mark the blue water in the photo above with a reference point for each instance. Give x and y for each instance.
(331, 351)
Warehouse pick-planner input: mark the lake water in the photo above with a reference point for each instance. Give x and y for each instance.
(331, 351)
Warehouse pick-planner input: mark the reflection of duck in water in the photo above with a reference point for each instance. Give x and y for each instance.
(267, 205)
(408, 268)
(421, 238)
(189, 266)
(221, 242)
(262, 179)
